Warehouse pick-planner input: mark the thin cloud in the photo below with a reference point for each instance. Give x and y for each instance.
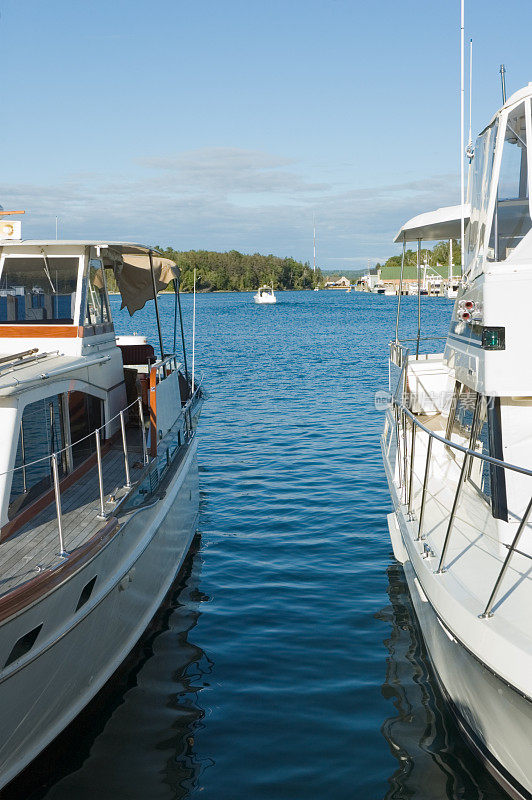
(226, 198)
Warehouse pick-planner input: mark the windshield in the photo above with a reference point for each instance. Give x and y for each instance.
(479, 195)
(511, 220)
(38, 289)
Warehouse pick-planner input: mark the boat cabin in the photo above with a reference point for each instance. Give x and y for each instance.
(483, 383)
(64, 374)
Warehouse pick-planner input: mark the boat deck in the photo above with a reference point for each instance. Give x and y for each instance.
(36, 545)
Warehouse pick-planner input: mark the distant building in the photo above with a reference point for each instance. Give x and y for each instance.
(340, 283)
(392, 274)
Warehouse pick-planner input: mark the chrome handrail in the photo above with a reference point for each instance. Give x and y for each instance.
(403, 412)
(96, 433)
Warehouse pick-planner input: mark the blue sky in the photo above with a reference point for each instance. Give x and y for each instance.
(224, 124)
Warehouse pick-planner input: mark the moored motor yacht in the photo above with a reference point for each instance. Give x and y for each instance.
(98, 478)
(265, 295)
(458, 458)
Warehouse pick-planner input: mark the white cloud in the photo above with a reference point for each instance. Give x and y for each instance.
(225, 198)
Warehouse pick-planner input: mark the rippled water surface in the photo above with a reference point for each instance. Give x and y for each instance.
(288, 665)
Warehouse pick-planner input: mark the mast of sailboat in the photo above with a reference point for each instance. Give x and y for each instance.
(314, 239)
(462, 143)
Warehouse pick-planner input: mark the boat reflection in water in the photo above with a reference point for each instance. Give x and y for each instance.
(136, 739)
(434, 762)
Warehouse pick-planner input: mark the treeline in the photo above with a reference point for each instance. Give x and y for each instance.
(438, 255)
(238, 272)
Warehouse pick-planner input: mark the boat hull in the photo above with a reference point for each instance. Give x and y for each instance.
(81, 648)
(494, 718)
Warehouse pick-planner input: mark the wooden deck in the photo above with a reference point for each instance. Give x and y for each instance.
(36, 545)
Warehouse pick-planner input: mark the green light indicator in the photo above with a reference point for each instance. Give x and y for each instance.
(493, 339)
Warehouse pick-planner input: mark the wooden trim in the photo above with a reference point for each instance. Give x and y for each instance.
(53, 331)
(29, 592)
(153, 411)
(38, 331)
(48, 497)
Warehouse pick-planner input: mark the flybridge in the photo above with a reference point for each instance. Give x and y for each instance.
(58, 288)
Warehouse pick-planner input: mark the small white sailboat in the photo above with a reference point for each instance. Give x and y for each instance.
(265, 295)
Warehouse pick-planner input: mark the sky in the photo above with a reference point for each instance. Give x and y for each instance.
(231, 124)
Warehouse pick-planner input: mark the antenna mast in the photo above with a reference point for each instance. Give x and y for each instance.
(462, 148)
(314, 240)
(503, 83)
(470, 144)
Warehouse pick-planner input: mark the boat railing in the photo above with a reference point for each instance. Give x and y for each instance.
(99, 435)
(406, 426)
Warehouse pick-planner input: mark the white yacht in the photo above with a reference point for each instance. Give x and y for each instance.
(98, 478)
(457, 448)
(265, 295)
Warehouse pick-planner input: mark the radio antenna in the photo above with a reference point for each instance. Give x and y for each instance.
(462, 144)
(314, 239)
(503, 83)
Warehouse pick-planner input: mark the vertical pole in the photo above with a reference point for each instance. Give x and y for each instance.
(400, 290)
(178, 296)
(314, 239)
(470, 92)
(411, 480)
(487, 611)
(102, 513)
(194, 331)
(503, 83)
(156, 304)
(143, 430)
(450, 263)
(23, 448)
(462, 143)
(418, 296)
(405, 456)
(175, 317)
(458, 492)
(399, 455)
(424, 493)
(124, 444)
(56, 226)
(57, 493)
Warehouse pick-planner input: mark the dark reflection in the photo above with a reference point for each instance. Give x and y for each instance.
(433, 760)
(136, 739)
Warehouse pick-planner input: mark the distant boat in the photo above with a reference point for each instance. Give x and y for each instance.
(265, 294)
(316, 289)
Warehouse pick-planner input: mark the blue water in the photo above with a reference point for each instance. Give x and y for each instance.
(289, 665)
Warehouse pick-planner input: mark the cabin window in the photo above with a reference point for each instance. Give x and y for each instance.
(511, 220)
(486, 437)
(40, 289)
(97, 308)
(85, 412)
(41, 433)
(23, 645)
(86, 592)
(477, 420)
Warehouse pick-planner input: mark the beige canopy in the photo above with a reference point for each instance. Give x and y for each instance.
(135, 282)
(133, 273)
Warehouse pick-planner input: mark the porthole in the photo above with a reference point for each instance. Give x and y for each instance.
(86, 593)
(23, 645)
